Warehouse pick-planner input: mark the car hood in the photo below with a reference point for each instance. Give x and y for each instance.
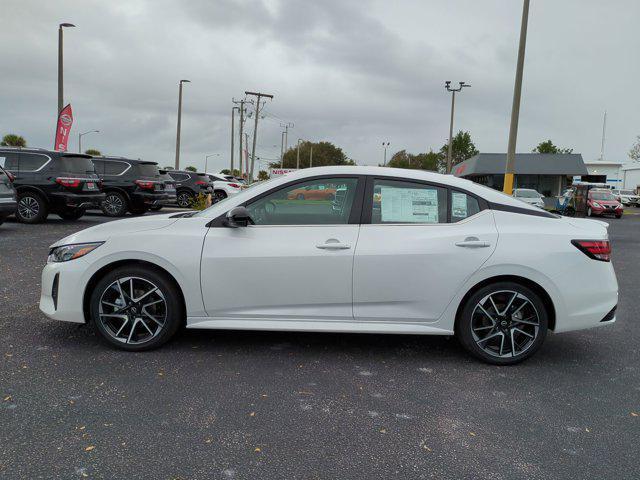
(104, 231)
(605, 202)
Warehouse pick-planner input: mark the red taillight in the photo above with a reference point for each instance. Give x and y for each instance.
(234, 185)
(596, 249)
(201, 182)
(145, 184)
(68, 182)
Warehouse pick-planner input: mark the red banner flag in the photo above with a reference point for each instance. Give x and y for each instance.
(65, 120)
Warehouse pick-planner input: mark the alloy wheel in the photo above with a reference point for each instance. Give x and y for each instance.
(113, 204)
(184, 199)
(505, 324)
(28, 208)
(132, 310)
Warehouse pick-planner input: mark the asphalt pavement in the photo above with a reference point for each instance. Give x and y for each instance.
(247, 405)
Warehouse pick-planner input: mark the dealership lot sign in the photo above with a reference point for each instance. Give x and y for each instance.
(278, 172)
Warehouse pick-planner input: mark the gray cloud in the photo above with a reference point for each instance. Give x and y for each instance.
(353, 72)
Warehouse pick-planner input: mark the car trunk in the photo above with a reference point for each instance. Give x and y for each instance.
(77, 174)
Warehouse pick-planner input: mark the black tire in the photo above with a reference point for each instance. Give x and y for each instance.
(115, 204)
(505, 327)
(172, 309)
(72, 213)
(185, 199)
(32, 208)
(138, 209)
(156, 208)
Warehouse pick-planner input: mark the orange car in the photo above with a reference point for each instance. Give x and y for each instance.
(312, 192)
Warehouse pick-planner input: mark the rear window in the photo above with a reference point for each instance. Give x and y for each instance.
(76, 165)
(148, 169)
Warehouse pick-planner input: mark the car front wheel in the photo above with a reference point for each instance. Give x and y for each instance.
(503, 323)
(136, 308)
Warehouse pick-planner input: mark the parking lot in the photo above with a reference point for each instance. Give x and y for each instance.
(238, 405)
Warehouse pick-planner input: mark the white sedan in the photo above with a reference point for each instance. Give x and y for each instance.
(390, 251)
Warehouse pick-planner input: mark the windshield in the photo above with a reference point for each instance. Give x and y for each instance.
(626, 192)
(76, 165)
(605, 196)
(527, 194)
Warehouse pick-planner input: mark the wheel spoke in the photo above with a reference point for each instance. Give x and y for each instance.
(146, 326)
(523, 332)
(477, 329)
(501, 344)
(152, 303)
(527, 322)
(495, 308)
(513, 345)
(146, 294)
(133, 327)
(487, 314)
(126, 320)
(506, 309)
(489, 337)
(520, 307)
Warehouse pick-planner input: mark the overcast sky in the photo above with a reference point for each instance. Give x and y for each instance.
(355, 73)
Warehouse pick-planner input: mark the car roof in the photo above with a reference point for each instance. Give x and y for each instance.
(124, 159)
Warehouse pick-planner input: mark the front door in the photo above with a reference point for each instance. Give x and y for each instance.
(294, 263)
(421, 245)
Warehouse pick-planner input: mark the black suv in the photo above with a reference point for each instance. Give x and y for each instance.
(129, 185)
(51, 182)
(169, 189)
(189, 185)
(7, 194)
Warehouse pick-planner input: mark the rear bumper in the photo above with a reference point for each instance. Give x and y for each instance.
(74, 200)
(7, 207)
(150, 198)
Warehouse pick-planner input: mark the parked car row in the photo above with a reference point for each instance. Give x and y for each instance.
(36, 182)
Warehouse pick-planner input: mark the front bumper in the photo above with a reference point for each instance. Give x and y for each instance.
(64, 302)
(75, 200)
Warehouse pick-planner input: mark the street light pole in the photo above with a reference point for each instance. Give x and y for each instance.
(385, 145)
(206, 160)
(179, 123)
(298, 155)
(282, 135)
(515, 109)
(80, 135)
(453, 91)
(61, 66)
(233, 110)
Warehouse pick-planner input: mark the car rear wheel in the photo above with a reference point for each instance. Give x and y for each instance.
(114, 205)
(136, 308)
(219, 195)
(185, 199)
(503, 323)
(32, 208)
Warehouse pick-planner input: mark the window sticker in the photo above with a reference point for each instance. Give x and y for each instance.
(408, 205)
(459, 205)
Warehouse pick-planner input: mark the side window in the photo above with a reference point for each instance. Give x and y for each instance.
(10, 161)
(114, 168)
(30, 162)
(326, 201)
(463, 206)
(99, 166)
(407, 202)
(178, 177)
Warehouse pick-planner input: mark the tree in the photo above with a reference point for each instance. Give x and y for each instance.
(324, 154)
(462, 148)
(13, 140)
(191, 168)
(226, 171)
(634, 153)
(263, 175)
(549, 147)
(93, 151)
(421, 161)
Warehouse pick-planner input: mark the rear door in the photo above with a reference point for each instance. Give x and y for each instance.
(418, 244)
(7, 193)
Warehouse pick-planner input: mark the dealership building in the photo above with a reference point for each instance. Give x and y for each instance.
(547, 173)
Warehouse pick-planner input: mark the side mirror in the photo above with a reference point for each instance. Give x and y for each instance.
(238, 217)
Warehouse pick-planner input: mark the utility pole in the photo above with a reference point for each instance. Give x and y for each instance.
(61, 67)
(298, 155)
(385, 145)
(246, 157)
(515, 109)
(241, 109)
(447, 86)
(259, 95)
(179, 122)
(233, 122)
(311, 157)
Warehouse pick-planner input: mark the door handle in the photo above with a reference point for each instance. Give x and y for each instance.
(333, 244)
(473, 242)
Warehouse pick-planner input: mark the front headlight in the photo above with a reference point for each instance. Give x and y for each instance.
(64, 253)
(596, 204)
